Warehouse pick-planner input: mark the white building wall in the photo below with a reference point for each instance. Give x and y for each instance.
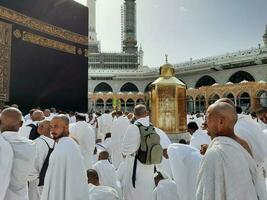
(259, 72)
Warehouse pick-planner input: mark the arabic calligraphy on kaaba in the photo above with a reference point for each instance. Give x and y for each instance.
(38, 25)
(5, 56)
(42, 41)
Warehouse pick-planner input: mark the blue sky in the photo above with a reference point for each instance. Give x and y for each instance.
(185, 29)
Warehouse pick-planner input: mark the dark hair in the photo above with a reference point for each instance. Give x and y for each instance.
(92, 174)
(108, 135)
(80, 117)
(253, 114)
(119, 113)
(182, 141)
(192, 125)
(238, 109)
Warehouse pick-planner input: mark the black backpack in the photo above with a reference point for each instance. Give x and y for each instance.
(45, 165)
(33, 134)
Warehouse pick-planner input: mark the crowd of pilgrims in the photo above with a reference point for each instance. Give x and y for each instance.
(50, 155)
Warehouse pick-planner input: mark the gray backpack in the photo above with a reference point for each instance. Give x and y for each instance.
(150, 151)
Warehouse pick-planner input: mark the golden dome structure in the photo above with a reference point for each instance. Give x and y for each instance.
(168, 101)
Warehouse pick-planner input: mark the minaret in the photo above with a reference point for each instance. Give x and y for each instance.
(92, 7)
(265, 37)
(129, 42)
(93, 43)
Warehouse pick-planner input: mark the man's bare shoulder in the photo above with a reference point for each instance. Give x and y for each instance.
(244, 144)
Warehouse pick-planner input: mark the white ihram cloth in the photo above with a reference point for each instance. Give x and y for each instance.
(104, 125)
(199, 120)
(166, 190)
(24, 154)
(198, 138)
(118, 130)
(185, 161)
(6, 159)
(42, 151)
(250, 131)
(72, 119)
(165, 163)
(228, 172)
(66, 176)
(84, 134)
(144, 184)
(102, 193)
(25, 130)
(107, 144)
(106, 173)
(262, 125)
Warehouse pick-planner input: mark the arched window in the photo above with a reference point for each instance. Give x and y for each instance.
(205, 81)
(229, 96)
(200, 104)
(109, 104)
(103, 87)
(129, 87)
(262, 97)
(99, 104)
(243, 101)
(129, 105)
(213, 98)
(241, 76)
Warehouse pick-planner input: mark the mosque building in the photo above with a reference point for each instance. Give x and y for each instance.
(122, 77)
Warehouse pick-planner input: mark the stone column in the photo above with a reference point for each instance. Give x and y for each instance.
(104, 105)
(194, 106)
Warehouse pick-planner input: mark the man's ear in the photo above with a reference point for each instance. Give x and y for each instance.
(21, 123)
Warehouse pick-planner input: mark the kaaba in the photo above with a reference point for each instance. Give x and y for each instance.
(44, 54)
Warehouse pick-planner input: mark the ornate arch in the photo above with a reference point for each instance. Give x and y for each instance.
(103, 87)
(205, 81)
(240, 76)
(129, 87)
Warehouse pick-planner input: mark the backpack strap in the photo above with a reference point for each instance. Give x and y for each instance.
(45, 164)
(48, 144)
(138, 124)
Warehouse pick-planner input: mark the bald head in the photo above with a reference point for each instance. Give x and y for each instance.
(47, 112)
(37, 115)
(140, 111)
(62, 118)
(226, 100)
(11, 119)
(44, 128)
(225, 110)
(221, 118)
